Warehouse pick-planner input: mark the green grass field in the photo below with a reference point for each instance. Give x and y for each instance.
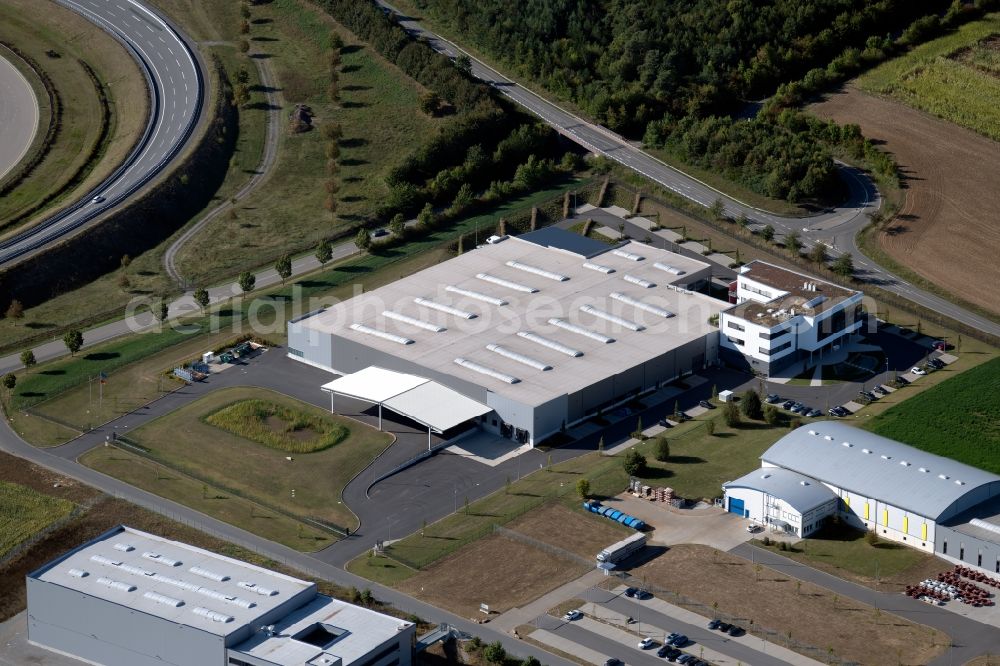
(959, 418)
(278, 426)
(379, 113)
(24, 513)
(950, 77)
(183, 441)
(208, 499)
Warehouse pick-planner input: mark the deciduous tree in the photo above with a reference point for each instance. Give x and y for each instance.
(247, 281)
(73, 339)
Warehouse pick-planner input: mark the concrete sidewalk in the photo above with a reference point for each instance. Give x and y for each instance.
(540, 606)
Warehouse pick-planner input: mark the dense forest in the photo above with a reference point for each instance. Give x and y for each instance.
(677, 72)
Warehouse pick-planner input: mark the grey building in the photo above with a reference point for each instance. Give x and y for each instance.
(907, 495)
(543, 330)
(129, 598)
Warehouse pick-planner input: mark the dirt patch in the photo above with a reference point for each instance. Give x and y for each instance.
(496, 570)
(280, 426)
(580, 533)
(946, 229)
(984, 56)
(806, 612)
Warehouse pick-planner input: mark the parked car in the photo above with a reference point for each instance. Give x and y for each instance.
(868, 395)
(878, 389)
(663, 651)
(572, 615)
(813, 413)
(685, 658)
(714, 624)
(787, 404)
(378, 233)
(797, 407)
(706, 404)
(631, 591)
(735, 631)
(673, 653)
(613, 661)
(642, 595)
(936, 363)
(646, 643)
(724, 626)
(918, 371)
(664, 423)
(753, 528)
(772, 398)
(940, 345)
(902, 381)
(669, 638)
(679, 641)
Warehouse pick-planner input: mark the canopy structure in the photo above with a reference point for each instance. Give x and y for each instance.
(433, 405)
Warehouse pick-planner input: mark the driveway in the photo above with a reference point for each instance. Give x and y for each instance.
(710, 526)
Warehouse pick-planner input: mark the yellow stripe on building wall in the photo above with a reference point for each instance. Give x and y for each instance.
(847, 501)
(866, 511)
(923, 532)
(885, 517)
(906, 524)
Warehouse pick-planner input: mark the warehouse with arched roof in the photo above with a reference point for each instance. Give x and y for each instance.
(904, 494)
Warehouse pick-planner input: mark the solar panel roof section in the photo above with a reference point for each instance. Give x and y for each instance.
(877, 467)
(152, 587)
(559, 301)
(566, 241)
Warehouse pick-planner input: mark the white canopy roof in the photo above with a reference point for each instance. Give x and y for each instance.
(428, 402)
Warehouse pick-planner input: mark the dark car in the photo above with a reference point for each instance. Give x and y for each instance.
(936, 363)
(714, 624)
(879, 390)
(735, 631)
(902, 381)
(869, 395)
(788, 404)
(813, 413)
(612, 661)
(772, 398)
(680, 641)
(378, 233)
(663, 651)
(663, 423)
(724, 626)
(673, 654)
(706, 404)
(631, 591)
(642, 595)
(797, 407)
(685, 658)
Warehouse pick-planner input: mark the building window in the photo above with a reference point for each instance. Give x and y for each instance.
(757, 290)
(944, 548)
(780, 348)
(734, 325)
(998, 566)
(735, 341)
(961, 552)
(979, 561)
(295, 352)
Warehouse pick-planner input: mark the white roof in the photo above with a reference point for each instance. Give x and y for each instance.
(800, 492)
(373, 384)
(428, 402)
(363, 631)
(170, 580)
(533, 304)
(881, 468)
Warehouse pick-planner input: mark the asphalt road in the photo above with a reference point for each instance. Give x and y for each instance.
(836, 226)
(175, 84)
(18, 116)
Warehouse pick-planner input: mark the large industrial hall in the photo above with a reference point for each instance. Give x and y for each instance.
(541, 331)
(907, 495)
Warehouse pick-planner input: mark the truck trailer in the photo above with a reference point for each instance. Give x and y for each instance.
(622, 550)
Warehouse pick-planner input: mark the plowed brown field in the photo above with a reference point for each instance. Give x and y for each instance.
(948, 229)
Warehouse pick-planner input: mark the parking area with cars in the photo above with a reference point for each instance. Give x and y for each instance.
(627, 625)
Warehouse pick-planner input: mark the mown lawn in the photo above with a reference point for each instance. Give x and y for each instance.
(937, 78)
(184, 441)
(25, 512)
(959, 418)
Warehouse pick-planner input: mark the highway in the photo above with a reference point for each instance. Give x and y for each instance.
(18, 115)
(176, 88)
(836, 227)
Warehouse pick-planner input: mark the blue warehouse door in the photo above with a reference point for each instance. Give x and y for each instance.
(736, 506)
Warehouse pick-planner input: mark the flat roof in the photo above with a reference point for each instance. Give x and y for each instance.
(878, 467)
(805, 294)
(434, 405)
(800, 492)
(173, 580)
(561, 239)
(529, 322)
(358, 631)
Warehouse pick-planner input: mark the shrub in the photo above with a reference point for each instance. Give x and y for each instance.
(583, 488)
(495, 653)
(732, 415)
(710, 427)
(634, 463)
(662, 449)
(871, 538)
(751, 405)
(771, 415)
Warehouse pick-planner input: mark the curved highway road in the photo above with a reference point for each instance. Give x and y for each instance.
(18, 116)
(835, 227)
(175, 84)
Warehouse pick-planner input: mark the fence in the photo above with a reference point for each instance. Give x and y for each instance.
(131, 446)
(541, 545)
